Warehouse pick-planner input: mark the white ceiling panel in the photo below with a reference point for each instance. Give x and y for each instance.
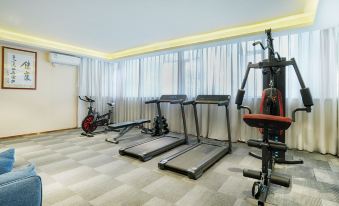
(112, 25)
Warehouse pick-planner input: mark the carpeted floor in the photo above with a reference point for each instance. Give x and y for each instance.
(77, 170)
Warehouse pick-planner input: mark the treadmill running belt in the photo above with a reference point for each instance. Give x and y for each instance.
(194, 157)
(146, 150)
(195, 161)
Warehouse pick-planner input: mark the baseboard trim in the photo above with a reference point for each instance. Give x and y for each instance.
(36, 133)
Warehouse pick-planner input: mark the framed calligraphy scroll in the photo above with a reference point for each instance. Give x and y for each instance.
(18, 69)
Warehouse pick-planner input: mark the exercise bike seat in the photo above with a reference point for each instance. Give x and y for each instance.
(267, 121)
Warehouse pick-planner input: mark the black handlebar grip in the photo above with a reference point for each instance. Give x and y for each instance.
(188, 102)
(240, 97)
(306, 97)
(151, 101)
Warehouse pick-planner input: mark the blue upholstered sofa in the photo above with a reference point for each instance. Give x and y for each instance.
(20, 186)
(25, 191)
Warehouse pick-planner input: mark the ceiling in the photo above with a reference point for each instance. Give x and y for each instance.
(110, 25)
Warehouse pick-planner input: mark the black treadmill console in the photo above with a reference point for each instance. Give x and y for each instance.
(212, 99)
(170, 98)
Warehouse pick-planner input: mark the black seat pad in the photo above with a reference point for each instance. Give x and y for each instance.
(267, 121)
(128, 123)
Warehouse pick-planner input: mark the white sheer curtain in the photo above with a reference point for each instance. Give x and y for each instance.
(98, 80)
(129, 83)
(159, 75)
(144, 79)
(317, 56)
(220, 70)
(127, 101)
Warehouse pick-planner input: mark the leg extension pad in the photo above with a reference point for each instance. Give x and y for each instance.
(272, 145)
(275, 179)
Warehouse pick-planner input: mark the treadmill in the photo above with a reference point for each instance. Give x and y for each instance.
(197, 158)
(145, 151)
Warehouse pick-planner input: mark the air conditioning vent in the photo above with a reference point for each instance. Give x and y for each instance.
(56, 58)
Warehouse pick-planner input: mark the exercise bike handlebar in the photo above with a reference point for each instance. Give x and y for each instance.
(82, 99)
(87, 99)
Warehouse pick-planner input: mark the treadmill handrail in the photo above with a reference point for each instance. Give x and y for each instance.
(188, 102)
(152, 101)
(183, 115)
(177, 102)
(207, 102)
(224, 103)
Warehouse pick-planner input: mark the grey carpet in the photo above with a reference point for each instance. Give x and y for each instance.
(78, 170)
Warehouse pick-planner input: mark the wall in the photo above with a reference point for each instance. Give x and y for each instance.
(52, 106)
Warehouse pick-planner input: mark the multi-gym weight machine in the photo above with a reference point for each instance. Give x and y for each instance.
(272, 122)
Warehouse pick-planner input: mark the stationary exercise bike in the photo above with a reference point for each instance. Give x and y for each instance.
(271, 121)
(94, 119)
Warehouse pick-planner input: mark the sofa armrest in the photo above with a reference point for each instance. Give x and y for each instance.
(22, 192)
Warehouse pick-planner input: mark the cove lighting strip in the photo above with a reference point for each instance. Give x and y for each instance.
(304, 19)
(13, 37)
